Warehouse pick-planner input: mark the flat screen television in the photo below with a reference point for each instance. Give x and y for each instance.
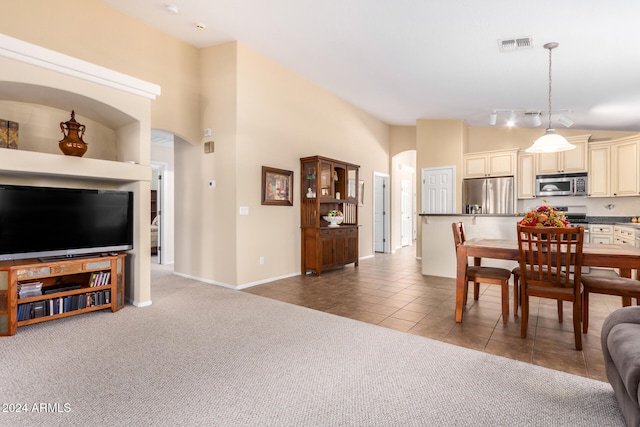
(37, 222)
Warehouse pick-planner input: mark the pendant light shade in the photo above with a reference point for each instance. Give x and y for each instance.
(550, 142)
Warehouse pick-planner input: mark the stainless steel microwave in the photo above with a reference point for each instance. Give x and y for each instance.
(562, 185)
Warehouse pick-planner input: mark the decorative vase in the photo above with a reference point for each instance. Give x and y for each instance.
(72, 144)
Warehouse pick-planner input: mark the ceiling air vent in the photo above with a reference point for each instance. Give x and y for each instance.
(516, 43)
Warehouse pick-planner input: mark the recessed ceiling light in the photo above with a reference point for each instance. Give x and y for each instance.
(173, 9)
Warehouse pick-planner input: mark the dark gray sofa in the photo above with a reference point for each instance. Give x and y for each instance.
(621, 348)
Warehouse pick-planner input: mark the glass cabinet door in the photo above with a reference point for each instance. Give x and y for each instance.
(309, 186)
(352, 183)
(326, 179)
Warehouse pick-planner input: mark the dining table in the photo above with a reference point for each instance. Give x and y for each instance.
(626, 258)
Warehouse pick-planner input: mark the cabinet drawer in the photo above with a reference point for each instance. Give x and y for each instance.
(603, 240)
(601, 228)
(624, 232)
(623, 241)
(326, 233)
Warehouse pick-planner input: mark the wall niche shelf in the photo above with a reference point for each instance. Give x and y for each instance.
(30, 163)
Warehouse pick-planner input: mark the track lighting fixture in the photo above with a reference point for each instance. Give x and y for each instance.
(493, 118)
(565, 121)
(535, 118)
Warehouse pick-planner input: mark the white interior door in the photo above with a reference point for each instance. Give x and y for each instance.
(405, 208)
(438, 190)
(380, 212)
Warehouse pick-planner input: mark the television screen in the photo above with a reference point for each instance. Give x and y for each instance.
(44, 221)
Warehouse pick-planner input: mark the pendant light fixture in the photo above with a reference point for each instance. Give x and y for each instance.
(550, 142)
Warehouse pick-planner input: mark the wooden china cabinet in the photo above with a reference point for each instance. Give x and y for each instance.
(328, 185)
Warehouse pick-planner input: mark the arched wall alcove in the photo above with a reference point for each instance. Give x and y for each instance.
(41, 87)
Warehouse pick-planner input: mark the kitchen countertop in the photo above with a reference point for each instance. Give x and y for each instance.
(471, 215)
(617, 220)
(620, 220)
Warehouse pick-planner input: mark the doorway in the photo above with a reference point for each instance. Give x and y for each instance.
(157, 199)
(405, 213)
(381, 228)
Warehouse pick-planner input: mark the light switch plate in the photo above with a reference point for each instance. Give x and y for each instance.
(244, 210)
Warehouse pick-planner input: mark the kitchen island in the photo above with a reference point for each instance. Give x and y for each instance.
(438, 250)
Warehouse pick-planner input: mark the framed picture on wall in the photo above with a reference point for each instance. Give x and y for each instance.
(361, 193)
(277, 187)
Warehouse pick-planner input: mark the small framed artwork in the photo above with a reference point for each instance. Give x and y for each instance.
(361, 193)
(277, 187)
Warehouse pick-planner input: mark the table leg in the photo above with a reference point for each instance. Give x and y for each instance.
(461, 273)
(626, 272)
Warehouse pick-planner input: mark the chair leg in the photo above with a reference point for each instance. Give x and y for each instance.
(560, 311)
(525, 314)
(516, 298)
(466, 291)
(505, 302)
(476, 291)
(585, 311)
(577, 317)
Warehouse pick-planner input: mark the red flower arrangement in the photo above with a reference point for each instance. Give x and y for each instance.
(544, 216)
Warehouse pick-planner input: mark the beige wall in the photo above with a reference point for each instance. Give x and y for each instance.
(403, 138)
(261, 114)
(96, 33)
(492, 138)
(205, 218)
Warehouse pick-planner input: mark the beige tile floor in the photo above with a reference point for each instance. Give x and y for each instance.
(389, 290)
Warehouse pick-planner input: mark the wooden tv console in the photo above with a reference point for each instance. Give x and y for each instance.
(70, 286)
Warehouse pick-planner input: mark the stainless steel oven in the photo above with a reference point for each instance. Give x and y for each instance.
(562, 185)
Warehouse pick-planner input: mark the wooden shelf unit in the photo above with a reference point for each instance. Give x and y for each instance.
(58, 272)
(328, 184)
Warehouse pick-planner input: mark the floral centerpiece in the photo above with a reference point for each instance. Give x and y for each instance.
(544, 216)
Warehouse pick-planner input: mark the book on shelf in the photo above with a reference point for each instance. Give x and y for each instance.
(14, 128)
(59, 305)
(99, 278)
(4, 133)
(38, 309)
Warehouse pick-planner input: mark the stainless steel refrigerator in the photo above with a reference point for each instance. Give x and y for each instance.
(488, 196)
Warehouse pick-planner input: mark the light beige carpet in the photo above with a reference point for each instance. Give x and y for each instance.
(207, 356)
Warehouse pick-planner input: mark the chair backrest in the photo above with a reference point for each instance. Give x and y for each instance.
(550, 256)
(458, 233)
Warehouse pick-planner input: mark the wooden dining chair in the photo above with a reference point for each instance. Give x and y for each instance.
(550, 267)
(479, 274)
(517, 300)
(607, 285)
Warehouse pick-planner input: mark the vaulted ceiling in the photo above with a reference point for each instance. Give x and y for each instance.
(403, 60)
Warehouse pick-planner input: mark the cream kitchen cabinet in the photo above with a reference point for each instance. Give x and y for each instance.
(623, 235)
(601, 233)
(625, 167)
(599, 170)
(571, 161)
(489, 163)
(526, 183)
